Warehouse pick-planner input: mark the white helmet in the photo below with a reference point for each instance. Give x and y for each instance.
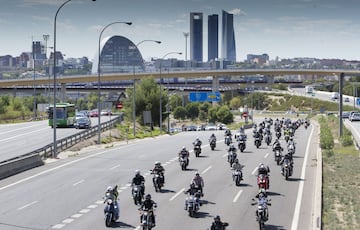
(261, 165)
(109, 189)
(183, 148)
(157, 162)
(197, 138)
(137, 172)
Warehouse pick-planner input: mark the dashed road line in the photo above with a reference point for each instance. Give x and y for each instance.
(27, 205)
(266, 155)
(178, 193)
(79, 182)
(237, 196)
(207, 169)
(254, 171)
(114, 167)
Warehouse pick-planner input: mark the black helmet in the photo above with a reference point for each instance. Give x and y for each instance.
(217, 218)
(148, 197)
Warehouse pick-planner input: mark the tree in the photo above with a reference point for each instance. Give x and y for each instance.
(224, 115)
(180, 113)
(192, 110)
(212, 114)
(235, 103)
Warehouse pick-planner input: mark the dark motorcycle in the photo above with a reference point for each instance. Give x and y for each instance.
(257, 142)
(231, 157)
(228, 140)
(242, 145)
(137, 194)
(286, 169)
(278, 156)
(158, 181)
(147, 219)
(111, 210)
(261, 212)
(237, 177)
(268, 139)
(278, 134)
(197, 150)
(183, 163)
(213, 144)
(287, 137)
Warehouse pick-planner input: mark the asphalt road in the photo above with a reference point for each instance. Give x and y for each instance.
(22, 138)
(67, 194)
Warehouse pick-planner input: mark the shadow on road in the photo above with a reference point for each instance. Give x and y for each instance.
(273, 193)
(294, 179)
(163, 190)
(274, 227)
(121, 225)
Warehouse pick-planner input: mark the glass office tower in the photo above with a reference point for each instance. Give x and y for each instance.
(228, 50)
(196, 36)
(213, 37)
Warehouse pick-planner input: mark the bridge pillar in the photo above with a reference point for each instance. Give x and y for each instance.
(63, 92)
(215, 86)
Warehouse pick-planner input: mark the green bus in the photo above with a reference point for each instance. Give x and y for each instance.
(65, 115)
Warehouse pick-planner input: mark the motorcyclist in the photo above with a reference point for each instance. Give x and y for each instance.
(264, 170)
(138, 180)
(184, 153)
(112, 193)
(291, 142)
(218, 224)
(198, 182)
(159, 169)
(212, 137)
(286, 157)
(236, 166)
(194, 192)
(277, 146)
(148, 205)
(263, 201)
(228, 132)
(232, 152)
(197, 143)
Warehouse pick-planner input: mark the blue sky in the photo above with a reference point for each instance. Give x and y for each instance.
(283, 28)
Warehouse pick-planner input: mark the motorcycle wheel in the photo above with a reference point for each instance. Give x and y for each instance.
(261, 225)
(237, 181)
(286, 175)
(108, 220)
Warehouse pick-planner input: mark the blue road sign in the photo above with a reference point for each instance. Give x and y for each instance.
(357, 101)
(204, 96)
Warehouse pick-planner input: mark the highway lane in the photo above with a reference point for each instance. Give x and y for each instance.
(73, 188)
(21, 138)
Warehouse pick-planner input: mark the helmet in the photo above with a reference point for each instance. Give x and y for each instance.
(183, 148)
(148, 197)
(213, 134)
(232, 146)
(261, 165)
(197, 174)
(197, 138)
(217, 218)
(137, 172)
(236, 160)
(192, 185)
(157, 162)
(109, 189)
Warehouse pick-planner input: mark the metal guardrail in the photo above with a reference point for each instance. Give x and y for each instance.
(67, 142)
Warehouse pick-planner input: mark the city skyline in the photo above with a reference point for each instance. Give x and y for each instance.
(287, 29)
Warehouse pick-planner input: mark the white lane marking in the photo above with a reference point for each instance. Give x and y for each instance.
(207, 169)
(85, 210)
(114, 167)
(99, 202)
(27, 127)
(295, 220)
(92, 206)
(178, 193)
(58, 226)
(137, 228)
(68, 221)
(23, 134)
(79, 182)
(266, 155)
(225, 155)
(237, 196)
(254, 171)
(27, 205)
(77, 215)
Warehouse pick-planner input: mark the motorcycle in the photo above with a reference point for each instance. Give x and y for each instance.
(192, 205)
(146, 219)
(242, 145)
(228, 140)
(278, 134)
(286, 169)
(197, 150)
(111, 210)
(262, 181)
(262, 211)
(157, 181)
(287, 137)
(137, 194)
(237, 177)
(257, 142)
(268, 139)
(291, 150)
(278, 156)
(213, 144)
(183, 163)
(231, 157)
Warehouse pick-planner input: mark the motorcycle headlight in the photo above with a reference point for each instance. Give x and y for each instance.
(109, 201)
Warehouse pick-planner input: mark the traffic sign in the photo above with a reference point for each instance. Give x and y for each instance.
(204, 96)
(357, 101)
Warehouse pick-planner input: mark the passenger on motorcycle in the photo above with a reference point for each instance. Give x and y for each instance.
(218, 224)
(194, 192)
(236, 166)
(149, 206)
(158, 169)
(112, 193)
(138, 180)
(198, 182)
(184, 153)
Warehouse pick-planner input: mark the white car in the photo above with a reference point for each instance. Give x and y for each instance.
(354, 117)
(210, 127)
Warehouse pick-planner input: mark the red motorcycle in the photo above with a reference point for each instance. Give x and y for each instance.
(263, 181)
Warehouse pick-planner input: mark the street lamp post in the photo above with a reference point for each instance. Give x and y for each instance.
(134, 89)
(46, 38)
(98, 70)
(160, 121)
(54, 70)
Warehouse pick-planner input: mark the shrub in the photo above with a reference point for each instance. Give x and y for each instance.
(346, 140)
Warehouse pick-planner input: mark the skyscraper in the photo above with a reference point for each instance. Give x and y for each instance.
(196, 36)
(228, 50)
(213, 37)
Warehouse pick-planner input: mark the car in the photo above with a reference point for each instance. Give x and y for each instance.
(355, 117)
(79, 115)
(221, 127)
(106, 113)
(346, 99)
(211, 127)
(94, 113)
(191, 128)
(345, 115)
(83, 123)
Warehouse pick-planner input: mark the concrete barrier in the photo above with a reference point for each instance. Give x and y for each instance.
(19, 164)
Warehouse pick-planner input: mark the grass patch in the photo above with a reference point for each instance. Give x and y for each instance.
(341, 183)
